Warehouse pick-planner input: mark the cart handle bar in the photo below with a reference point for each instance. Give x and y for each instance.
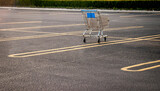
(89, 10)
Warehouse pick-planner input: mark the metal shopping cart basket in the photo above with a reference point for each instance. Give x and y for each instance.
(94, 23)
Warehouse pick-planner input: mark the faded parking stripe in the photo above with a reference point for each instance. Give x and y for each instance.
(59, 34)
(78, 47)
(22, 22)
(141, 64)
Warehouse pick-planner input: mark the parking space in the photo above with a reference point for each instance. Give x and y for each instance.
(44, 50)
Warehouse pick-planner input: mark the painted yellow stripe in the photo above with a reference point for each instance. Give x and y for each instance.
(110, 29)
(22, 22)
(27, 31)
(117, 37)
(28, 37)
(141, 64)
(107, 29)
(38, 27)
(75, 32)
(58, 34)
(139, 15)
(32, 37)
(77, 47)
(155, 40)
(124, 28)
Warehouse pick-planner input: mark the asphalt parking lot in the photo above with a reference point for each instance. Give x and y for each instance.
(44, 51)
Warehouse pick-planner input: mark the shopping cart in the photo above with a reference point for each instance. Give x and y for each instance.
(94, 23)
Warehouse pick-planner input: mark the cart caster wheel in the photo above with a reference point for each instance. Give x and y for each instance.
(99, 40)
(84, 40)
(105, 39)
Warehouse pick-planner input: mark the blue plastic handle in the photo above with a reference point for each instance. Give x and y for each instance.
(89, 10)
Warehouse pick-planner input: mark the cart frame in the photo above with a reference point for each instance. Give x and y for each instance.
(94, 22)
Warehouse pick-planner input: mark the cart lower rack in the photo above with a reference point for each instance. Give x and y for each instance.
(94, 22)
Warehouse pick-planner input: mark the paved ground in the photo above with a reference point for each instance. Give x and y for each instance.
(44, 51)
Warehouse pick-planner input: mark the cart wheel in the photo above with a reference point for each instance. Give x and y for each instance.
(84, 40)
(99, 40)
(105, 39)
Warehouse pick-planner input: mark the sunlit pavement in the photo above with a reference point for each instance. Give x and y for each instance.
(42, 50)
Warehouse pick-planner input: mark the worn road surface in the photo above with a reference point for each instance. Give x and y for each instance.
(44, 51)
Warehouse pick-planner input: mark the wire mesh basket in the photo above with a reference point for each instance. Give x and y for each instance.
(94, 22)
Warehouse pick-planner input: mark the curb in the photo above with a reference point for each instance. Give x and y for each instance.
(79, 10)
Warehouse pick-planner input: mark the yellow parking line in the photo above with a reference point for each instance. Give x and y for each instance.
(131, 16)
(22, 22)
(26, 31)
(124, 28)
(117, 37)
(28, 37)
(58, 34)
(108, 29)
(155, 40)
(77, 47)
(69, 25)
(141, 64)
(38, 27)
(138, 15)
